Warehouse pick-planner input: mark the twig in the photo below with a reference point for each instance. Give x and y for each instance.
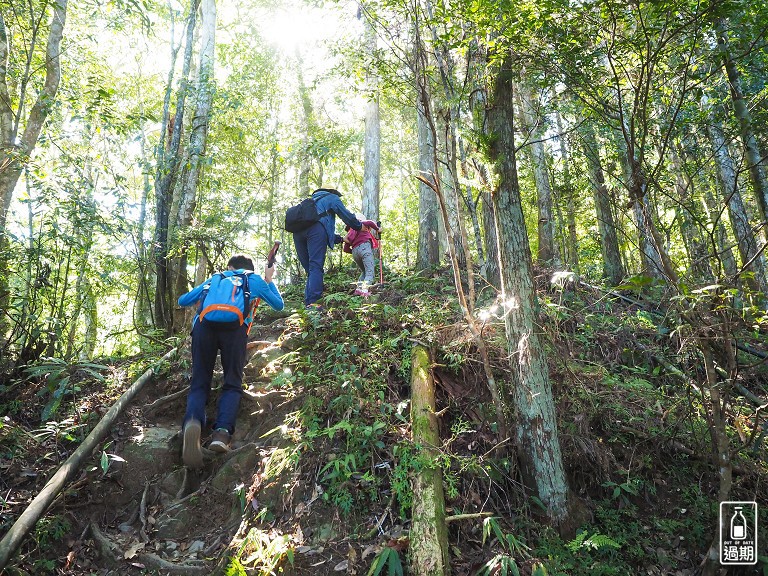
(143, 513)
(457, 517)
(372, 532)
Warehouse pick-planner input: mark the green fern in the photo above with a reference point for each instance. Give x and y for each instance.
(594, 542)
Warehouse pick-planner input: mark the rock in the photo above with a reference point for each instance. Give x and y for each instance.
(146, 454)
(238, 469)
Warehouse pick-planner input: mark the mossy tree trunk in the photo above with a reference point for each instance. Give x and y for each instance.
(536, 435)
(429, 531)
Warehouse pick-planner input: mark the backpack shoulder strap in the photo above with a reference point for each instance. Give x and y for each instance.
(205, 291)
(326, 212)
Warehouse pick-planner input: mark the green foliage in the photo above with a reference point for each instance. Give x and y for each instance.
(622, 491)
(107, 459)
(58, 431)
(388, 558)
(50, 530)
(57, 374)
(594, 542)
(512, 546)
(263, 551)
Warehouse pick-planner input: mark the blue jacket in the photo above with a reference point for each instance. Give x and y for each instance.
(326, 201)
(259, 289)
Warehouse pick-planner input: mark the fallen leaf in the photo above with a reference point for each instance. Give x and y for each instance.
(133, 549)
(372, 549)
(341, 566)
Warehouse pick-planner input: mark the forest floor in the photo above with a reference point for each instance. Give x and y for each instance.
(317, 481)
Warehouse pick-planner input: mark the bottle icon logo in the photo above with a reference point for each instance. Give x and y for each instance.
(738, 533)
(738, 524)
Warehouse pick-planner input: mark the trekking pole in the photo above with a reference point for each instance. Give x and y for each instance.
(271, 257)
(381, 258)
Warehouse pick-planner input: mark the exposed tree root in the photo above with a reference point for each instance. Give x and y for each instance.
(112, 554)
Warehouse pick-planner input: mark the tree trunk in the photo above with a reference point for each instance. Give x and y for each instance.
(197, 147)
(428, 250)
(568, 195)
(689, 222)
(372, 143)
(305, 167)
(429, 531)
(169, 162)
(730, 192)
(755, 160)
(547, 254)
(536, 428)
(725, 260)
(613, 270)
(651, 259)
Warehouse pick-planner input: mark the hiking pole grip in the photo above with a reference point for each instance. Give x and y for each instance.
(272, 256)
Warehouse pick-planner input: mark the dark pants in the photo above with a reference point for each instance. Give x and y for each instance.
(207, 341)
(311, 245)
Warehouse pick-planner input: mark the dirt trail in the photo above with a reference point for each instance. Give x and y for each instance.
(149, 511)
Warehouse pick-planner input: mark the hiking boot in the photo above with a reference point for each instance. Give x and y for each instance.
(362, 292)
(220, 440)
(191, 453)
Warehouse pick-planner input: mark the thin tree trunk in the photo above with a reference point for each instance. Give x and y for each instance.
(651, 258)
(726, 261)
(428, 250)
(569, 193)
(32, 513)
(372, 142)
(305, 168)
(755, 160)
(613, 270)
(547, 254)
(429, 532)
(536, 430)
(730, 192)
(90, 322)
(689, 225)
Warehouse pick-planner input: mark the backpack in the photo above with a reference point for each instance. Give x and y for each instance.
(302, 215)
(226, 299)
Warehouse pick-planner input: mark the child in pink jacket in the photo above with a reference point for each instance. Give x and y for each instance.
(361, 243)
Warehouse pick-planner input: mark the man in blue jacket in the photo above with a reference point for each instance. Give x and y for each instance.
(313, 243)
(214, 333)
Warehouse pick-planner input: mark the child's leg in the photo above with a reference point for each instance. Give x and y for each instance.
(357, 256)
(369, 263)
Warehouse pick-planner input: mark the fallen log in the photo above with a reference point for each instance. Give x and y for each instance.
(429, 530)
(26, 521)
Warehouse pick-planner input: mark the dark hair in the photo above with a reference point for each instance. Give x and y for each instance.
(239, 261)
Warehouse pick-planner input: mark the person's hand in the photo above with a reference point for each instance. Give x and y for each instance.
(269, 271)
(337, 239)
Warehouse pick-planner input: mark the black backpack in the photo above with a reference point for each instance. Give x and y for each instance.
(302, 215)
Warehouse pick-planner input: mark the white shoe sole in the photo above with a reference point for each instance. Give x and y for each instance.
(192, 454)
(218, 447)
